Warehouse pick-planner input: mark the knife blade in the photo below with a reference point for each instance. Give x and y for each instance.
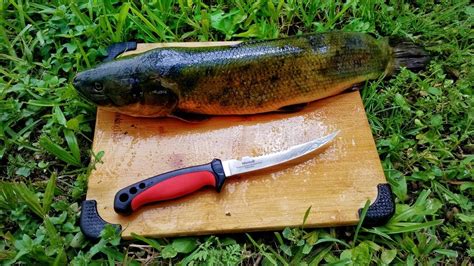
(181, 182)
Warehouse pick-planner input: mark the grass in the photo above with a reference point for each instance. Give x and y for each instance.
(422, 123)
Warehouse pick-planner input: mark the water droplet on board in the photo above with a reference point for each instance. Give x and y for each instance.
(230, 188)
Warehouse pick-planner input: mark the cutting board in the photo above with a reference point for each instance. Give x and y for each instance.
(335, 182)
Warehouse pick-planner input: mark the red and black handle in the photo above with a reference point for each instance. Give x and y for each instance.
(170, 185)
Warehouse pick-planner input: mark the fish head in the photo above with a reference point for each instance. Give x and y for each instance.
(127, 88)
(109, 84)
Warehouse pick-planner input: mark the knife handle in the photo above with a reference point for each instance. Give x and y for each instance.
(170, 185)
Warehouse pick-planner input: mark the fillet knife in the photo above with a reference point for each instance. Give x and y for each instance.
(181, 182)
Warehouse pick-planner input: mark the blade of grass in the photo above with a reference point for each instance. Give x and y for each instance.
(83, 18)
(49, 193)
(306, 214)
(7, 43)
(29, 198)
(447, 252)
(83, 53)
(20, 12)
(279, 238)
(263, 252)
(150, 242)
(59, 115)
(14, 193)
(163, 27)
(61, 258)
(147, 23)
(7, 196)
(320, 256)
(19, 36)
(278, 256)
(331, 239)
(402, 228)
(13, 58)
(54, 237)
(43, 103)
(345, 7)
(137, 23)
(361, 220)
(104, 22)
(72, 144)
(376, 231)
(121, 19)
(58, 151)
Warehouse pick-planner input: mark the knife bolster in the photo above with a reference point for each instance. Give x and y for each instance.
(216, 166)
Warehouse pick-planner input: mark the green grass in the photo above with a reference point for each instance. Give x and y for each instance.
(422, 123)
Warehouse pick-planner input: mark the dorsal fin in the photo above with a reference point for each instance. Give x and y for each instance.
(119, 48)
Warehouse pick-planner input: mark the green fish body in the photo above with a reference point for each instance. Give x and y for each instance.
(247, 78)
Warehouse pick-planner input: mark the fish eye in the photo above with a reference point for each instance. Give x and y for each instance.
(98, 87)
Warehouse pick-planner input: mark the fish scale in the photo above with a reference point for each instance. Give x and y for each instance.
(248, 78)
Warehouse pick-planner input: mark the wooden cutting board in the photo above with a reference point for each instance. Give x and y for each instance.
(335, 182)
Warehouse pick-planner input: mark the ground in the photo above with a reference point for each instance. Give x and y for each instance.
(422, 124)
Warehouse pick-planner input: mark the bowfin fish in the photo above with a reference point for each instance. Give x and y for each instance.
(247, 78)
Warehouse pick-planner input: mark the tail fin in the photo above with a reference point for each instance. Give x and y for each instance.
(408, 55)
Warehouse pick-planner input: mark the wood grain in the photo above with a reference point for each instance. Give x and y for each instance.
(335, 182)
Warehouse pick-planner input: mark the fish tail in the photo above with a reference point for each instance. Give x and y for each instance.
(409, 55)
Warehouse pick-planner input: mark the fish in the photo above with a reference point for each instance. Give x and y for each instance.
(251, 77)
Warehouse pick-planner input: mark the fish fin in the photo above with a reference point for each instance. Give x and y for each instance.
(357, 87)
(119, 48)
(292, 108)
(408, 54)
(156, 99)
(189, 117)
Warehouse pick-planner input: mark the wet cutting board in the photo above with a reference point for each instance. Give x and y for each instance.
(335, 182)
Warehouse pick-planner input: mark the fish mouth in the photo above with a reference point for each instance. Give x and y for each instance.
(77, 84)
(97, 99)
(92, 99)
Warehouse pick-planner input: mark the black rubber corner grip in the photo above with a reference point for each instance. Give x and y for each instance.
(382, 209)
(117, 49)
(90, 222)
